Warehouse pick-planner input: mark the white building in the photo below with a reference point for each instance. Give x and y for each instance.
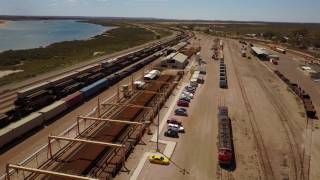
(175, 61)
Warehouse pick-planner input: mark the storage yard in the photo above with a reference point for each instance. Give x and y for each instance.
(216, 112)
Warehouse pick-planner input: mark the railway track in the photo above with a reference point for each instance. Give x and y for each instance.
(306, 158)
(262, 151)
(122, 113)
(7, 98)
(89, 131)
(285, 121)
(223, 174)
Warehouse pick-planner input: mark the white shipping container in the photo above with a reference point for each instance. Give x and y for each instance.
(53, 110)
(6, 135)
(26, 124)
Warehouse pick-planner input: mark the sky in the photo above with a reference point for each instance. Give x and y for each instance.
(239, 10)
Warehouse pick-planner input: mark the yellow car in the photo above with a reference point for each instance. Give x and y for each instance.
(157, 159)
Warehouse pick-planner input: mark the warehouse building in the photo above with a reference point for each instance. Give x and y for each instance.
(260, 53)
(175, 61)
(179, 46)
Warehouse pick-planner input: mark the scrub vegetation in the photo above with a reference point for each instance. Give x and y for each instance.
(63, 54)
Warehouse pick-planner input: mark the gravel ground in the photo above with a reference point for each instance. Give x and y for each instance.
(268, 125)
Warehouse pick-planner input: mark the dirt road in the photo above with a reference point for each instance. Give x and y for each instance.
(268, 124)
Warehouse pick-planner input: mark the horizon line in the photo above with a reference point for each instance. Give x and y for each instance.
(153, 18)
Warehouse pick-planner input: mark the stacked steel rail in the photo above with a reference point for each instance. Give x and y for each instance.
(105, 162)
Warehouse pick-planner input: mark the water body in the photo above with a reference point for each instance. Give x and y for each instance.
(32, 34)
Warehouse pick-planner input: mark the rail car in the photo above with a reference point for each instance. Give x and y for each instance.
(96, 156)
(305, 98)
(65, 85)
(78, 96)
(225, 151)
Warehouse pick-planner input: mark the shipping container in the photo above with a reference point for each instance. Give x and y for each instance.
(25, 92)
(94, 88)
(53, 110)
(73, 99)
(26, 124)
(4, 120)
(6, 135)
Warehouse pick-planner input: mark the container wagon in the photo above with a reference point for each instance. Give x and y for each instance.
(40, 95)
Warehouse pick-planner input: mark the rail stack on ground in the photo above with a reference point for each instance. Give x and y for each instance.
(105, 162)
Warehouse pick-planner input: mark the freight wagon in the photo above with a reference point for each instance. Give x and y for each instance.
(59, 88)
(95, 155)
(225, 151)
(306, 99)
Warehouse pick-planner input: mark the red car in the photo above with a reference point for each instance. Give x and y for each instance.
(183, 103)
(174, 121)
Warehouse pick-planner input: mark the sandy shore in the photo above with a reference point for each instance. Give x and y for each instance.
(8, 72)
(3, 23)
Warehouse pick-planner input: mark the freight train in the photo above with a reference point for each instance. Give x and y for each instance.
(225, 151)
(40, 95)
(42, 102)
(306, 99)
(105, 159)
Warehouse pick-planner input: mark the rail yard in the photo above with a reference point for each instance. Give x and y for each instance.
(226, 114)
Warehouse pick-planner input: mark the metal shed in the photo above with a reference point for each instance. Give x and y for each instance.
(176, 61)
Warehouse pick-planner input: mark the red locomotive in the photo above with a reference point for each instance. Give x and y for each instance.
(225, 138)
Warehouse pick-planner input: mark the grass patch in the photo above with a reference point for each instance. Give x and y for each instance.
(63, 54)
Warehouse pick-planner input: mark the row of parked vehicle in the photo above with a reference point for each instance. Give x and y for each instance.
(175, 126)
(223, 83)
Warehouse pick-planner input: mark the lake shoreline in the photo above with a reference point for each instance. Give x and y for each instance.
(42, 33)
(68, 53)
(3, 23)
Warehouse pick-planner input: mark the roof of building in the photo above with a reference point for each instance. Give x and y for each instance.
(179, 46)
(259, 51)
(180, 58)
(170, 56)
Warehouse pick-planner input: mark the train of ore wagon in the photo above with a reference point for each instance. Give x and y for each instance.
(40, 103)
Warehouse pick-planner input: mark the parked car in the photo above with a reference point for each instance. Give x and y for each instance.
(171, 133)
(159, 159)
(188, 94)
(174, 121)
(181, 112)
(190, 89)
(176, 127)
(183, 103)
(184, 98)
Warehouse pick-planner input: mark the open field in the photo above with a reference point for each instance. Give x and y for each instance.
(61, 55)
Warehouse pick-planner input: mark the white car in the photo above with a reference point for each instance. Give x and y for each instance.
(176, 127)
(184, 96)
(190, 95)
